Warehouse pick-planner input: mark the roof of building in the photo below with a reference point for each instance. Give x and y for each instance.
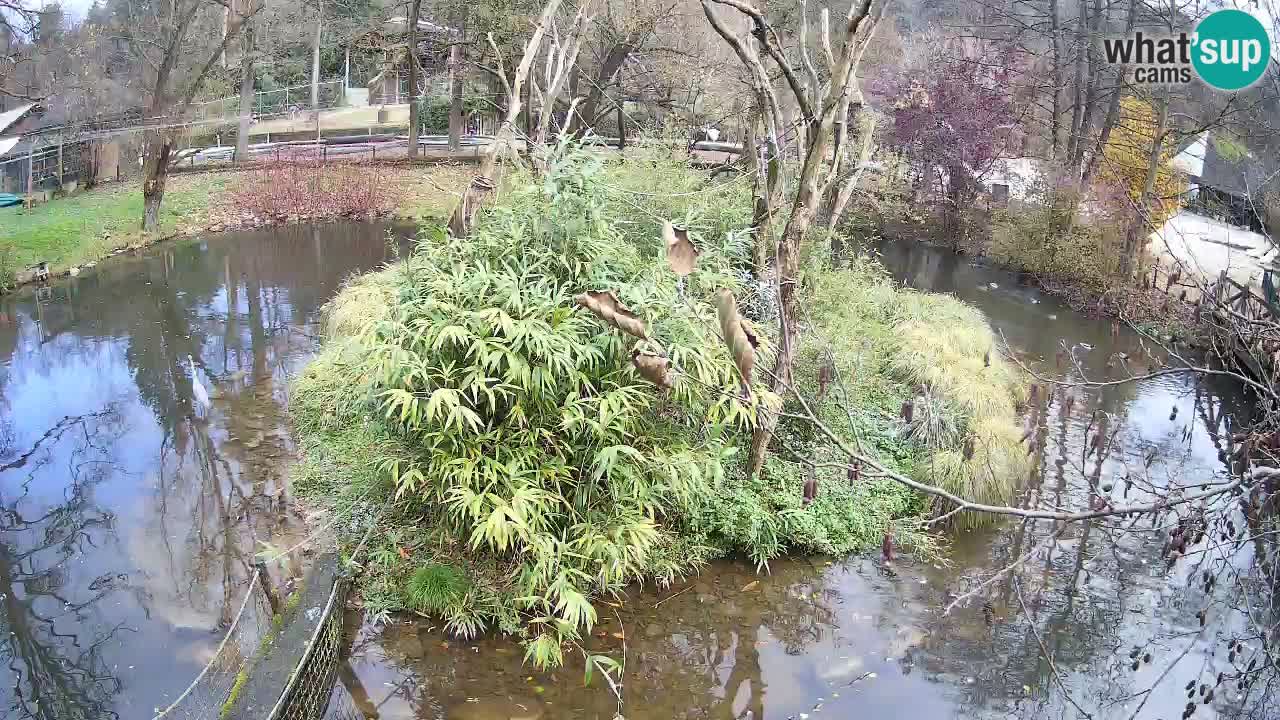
(1190, 160)
(1231, 167)
(9, 117)
(424, 25)
(7, 143)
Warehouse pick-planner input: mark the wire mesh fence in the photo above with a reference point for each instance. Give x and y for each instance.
(209, 691)
(307, 696)
(270, 103)
(279, 665)
(41, 167)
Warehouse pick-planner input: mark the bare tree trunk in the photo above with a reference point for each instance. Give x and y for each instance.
(1055, 125)
(1108, 124)
(456, 70)
(483, 184)
(246, 96)
(589, 110)
(1096, 19)
(1113, 107)
(788, 278)
(850, 185)
(415, 10)
(622, 120)
(1142, 222)
(1077, 87)
(315, 60)
(155, 173)
(768, 198)
(575, 76)
(803, 210)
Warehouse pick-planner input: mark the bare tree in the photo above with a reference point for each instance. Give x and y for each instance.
(16, 23)
(166, 37)
(561, 58)
(248, 56)
(483, 184)
(411, 53)
(315, 58)
(820, 102)
(457, 73)
(623, 30)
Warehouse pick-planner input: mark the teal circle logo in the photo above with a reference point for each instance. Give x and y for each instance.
(1231, 50)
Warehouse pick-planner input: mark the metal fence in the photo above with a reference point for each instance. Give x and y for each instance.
(270, 103)
(42, 168)
(311, 685)
(246, 671)
(210, 691)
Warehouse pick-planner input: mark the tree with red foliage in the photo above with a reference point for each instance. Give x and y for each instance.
(953, 123)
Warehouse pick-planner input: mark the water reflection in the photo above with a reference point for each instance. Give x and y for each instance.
(128, 521)
(852, 638)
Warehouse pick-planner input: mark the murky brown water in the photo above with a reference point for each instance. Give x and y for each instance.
(843, 638)
(127, 518)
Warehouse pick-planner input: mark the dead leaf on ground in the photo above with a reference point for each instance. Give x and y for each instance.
(681, 254)
(751, 586)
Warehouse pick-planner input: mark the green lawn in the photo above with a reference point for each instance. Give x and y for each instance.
(87, 226)
(70, 231)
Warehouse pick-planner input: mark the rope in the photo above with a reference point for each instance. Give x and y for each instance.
(320, 626)
(334, 521)
(249, 594)
(234, 623)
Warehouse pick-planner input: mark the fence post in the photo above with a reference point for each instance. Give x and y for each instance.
(59, 164)
(264, 579)
(31, 168)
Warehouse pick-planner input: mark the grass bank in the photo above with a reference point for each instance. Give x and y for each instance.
(897, 352)
(90, 225)
(521, 466)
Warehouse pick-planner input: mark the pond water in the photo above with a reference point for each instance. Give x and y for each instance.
(129, 516)
(822, 637)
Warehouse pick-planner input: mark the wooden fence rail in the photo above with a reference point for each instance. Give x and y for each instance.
(1244, 323)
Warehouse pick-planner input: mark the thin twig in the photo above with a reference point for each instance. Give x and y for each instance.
(681, 592)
